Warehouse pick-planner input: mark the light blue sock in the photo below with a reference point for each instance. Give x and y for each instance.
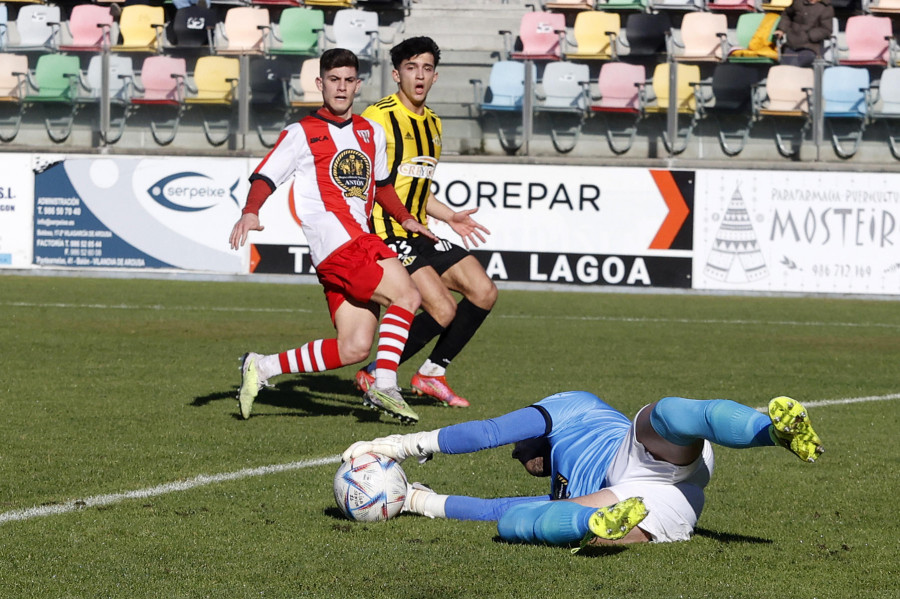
(459, 507)
(551, 522)
(722, 421)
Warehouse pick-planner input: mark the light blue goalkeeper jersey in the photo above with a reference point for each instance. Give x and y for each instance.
(585, 433)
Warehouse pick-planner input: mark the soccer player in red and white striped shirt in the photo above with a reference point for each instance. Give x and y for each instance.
(338, 164)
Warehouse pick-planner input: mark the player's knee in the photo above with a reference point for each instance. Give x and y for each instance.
(354, 350)
(408, 298)
(443, 311)
(484, 294)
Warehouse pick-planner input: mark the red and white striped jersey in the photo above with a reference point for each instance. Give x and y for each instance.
(335, 167)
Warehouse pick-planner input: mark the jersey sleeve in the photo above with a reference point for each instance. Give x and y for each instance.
(380, 167)
(281, 162)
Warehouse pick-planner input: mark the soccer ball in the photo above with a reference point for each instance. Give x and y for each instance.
(370, 487)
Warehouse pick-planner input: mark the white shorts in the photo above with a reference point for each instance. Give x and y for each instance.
(673, 494)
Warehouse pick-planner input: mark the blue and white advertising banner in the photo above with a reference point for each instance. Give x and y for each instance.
(172, 213)
(825, 232)
(16, 210)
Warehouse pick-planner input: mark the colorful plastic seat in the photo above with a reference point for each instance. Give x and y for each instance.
(299, 32)
(90, 26)
(619, 84)
(703, 38)
(162, 82)
(595, 35)
(245, 30)
(141, 27)
(539, 34)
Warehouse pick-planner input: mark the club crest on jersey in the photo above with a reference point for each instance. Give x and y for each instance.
(350, 171)
(364, 134)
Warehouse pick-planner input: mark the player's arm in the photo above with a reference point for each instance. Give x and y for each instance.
(260, 190)
(386, 196)
(462, 223)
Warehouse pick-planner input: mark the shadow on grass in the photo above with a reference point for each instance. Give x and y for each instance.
(589, 551)
(308, 395)
(727, 537)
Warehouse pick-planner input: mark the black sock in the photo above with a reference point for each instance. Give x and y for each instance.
(424, 328)
(467, 320)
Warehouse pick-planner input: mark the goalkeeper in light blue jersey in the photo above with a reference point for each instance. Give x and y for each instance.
(612, 479)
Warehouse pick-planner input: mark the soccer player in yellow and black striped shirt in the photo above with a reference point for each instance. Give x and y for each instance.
(414, 147)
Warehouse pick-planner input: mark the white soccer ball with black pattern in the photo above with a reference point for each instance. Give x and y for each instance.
(370, 487)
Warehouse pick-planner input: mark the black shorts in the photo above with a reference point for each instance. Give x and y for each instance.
(417, 251)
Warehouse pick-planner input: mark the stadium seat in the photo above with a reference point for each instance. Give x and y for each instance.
(646, 35)
(38, 26)
(357, 31)
(727, 96)
(775, 5)
(308, 94)
(886, 106)
(214, 82)
(762, 50)
(276, 3)
(655, 100)
(847, 98)
(595, 34)
(13, 86)
(194, 27)
(162, 85)
(619, 85)
(882, 7)
(704, 38)
(505, 94)
(244, 31)
(870, 41)
(785, 93)
(142, 28)
(565, 99)
(269, 96)
(731, 5)
(657, 5)
(120, 85)
(4, 28)
(91, 28)
(570, 5)
(330, 3)
(300, 32)
(539, 34)
(57, 81)
(622, 5)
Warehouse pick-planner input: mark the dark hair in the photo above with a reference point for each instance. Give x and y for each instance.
(337, 58)
(413, 47)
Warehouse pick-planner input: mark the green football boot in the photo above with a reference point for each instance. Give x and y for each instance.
(792, 430)
(615, 521)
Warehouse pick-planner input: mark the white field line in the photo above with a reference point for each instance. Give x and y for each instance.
(181, 485)
(207, 479)
(705, 321)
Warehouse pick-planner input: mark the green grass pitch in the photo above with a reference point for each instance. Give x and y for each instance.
(109, 387)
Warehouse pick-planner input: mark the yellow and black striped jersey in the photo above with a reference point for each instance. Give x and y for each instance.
(413, 151)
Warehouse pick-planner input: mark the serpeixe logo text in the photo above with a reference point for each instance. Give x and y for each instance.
(191, 192)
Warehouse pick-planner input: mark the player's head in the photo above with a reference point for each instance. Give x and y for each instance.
(415, 46)
(415, 63)
(338, 80)
(534, 455)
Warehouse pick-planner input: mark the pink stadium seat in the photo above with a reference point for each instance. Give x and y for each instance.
(869, 41)
(540, 37)
(88, 24)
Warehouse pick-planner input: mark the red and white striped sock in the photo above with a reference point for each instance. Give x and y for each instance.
(392, 334)
(315, 356)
